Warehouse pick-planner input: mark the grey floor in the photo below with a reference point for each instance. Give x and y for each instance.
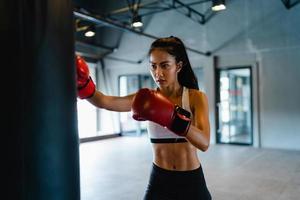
(118, 169)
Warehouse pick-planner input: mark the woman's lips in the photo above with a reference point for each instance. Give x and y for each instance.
(160, 81)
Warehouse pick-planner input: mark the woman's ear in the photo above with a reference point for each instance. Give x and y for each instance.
(179, 66)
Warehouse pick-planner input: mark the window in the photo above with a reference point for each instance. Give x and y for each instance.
(129, 84)
(87, 113)
(92, 121)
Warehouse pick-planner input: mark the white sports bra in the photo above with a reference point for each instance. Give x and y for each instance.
(160, 134)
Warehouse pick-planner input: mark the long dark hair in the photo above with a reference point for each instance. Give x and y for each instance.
(175, 47)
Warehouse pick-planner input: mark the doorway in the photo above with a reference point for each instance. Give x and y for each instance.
(234, 106)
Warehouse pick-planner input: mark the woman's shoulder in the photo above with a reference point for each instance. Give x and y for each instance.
(197, 98)
(194, 93)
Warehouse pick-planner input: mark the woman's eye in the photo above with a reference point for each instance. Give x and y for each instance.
(164, 65)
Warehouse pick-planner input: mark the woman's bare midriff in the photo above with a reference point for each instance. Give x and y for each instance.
(175, 156)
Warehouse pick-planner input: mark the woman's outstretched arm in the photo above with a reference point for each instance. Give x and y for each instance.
(86, 89)
(113, 103)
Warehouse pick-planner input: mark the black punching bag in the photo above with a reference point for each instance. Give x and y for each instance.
(42, 130)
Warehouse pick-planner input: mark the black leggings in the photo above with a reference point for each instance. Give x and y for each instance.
(176, 185)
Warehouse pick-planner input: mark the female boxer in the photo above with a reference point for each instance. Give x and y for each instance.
(177, 115)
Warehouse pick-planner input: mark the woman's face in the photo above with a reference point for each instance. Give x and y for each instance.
(163, 68)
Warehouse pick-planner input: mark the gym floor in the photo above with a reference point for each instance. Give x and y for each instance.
(118, 169)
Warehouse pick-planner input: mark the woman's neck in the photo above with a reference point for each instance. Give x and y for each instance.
(173, 91)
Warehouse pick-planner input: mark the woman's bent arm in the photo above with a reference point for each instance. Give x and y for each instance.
(199, 133)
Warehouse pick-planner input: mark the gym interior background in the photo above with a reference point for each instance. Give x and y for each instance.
(246, 58)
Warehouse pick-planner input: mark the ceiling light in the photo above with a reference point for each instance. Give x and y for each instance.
(218, 5)
(137, 21)
(89, 34)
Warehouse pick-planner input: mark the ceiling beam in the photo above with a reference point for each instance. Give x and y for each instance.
(289, 4)
(97, 19)
(183, 8)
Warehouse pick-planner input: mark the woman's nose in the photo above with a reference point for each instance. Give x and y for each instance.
(158, 72)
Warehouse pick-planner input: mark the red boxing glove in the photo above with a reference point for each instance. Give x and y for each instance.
(153, 106)
(85, 85)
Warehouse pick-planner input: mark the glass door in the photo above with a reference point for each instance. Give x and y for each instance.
(234, 106)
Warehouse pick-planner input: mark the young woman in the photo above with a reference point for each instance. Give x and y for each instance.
(177, 115)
